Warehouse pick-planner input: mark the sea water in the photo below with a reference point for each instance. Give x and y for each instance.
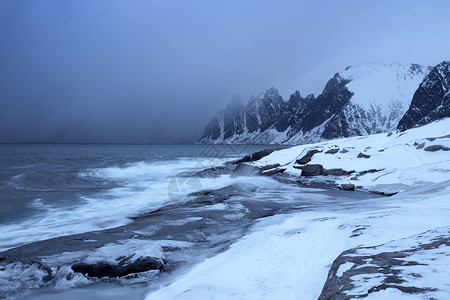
(54, 190)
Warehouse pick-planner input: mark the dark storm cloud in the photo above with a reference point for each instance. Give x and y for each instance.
(156, 71)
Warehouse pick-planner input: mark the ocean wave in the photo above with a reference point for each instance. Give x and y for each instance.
(142, 186)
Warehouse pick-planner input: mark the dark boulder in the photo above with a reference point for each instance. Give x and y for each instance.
(245, 170)
(434, 148)
(313, 170)
(348, 186)
(270, 170)
(332, 151)
(307, 158)
(123, 268)
(335, 172)
(369, 171)
(420, 146)
(362, 155)
(210, 172)
(268, 167)
(273, 171)
(257, 155)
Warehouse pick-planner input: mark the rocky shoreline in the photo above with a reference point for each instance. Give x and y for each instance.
(205, 223)
(198, 224)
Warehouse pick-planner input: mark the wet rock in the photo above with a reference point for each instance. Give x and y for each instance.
(245, 170)
(384, 193)
(434, 148)
(123, 268)
(307, 158)
(332, 151)
(420, 146)
(211, 172)
(362, 155)
(344, 150)
(268, 167)
(348, 186)
(369, 171)
(257, 155)
(313, 170)
(273, 171)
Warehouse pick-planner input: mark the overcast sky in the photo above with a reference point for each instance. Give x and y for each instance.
(157, 71)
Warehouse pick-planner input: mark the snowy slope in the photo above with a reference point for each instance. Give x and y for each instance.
(401, 158)
(383, 88)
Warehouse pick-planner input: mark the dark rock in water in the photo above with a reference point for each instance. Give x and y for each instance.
(348, 186)
(313, 170)
(335, 172)
(362, 155)
(431, 101)
(257, 155)
(332, 151)
(307, 158)
(245, 170)
(344, 150)
(211, 172)
(434, 148)
(211, 197)
(123, 268)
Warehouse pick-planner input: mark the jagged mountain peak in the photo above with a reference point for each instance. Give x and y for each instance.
(272, 93)
(431, 101)
(296, 94)
(438, 73)
(361, 100)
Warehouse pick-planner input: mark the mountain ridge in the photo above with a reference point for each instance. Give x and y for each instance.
(361, 100)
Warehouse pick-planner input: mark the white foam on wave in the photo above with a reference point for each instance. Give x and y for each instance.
(142, 186)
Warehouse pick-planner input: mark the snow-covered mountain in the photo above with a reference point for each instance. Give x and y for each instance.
(431, 101)
(361, 100)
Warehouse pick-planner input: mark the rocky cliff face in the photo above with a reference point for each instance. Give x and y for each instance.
(431, 101)
(361, 100)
